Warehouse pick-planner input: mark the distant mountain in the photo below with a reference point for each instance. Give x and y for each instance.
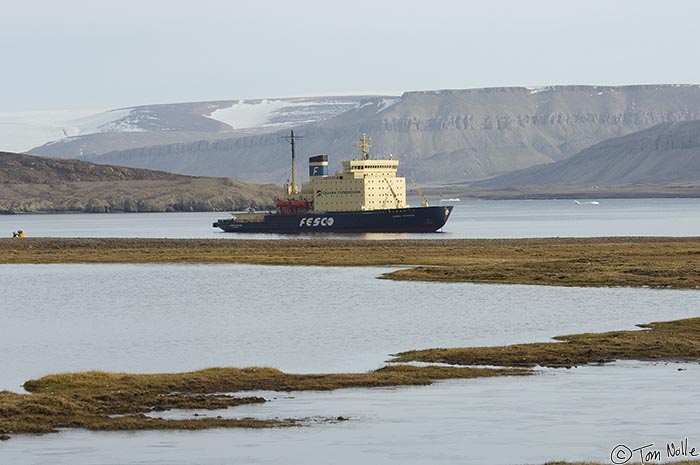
(440, 137)
(149, 125)
(663, 154)
(37, 184)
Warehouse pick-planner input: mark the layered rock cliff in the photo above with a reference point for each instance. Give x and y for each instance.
(440, 137)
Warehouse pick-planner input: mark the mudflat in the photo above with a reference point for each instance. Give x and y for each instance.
(660, 262)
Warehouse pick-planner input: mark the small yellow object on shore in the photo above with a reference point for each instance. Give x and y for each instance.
(19, 233)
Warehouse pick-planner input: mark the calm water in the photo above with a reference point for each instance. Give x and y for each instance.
(470, 219)
(575, 415)
(155, 318)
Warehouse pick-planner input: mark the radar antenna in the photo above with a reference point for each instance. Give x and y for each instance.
(364, 145)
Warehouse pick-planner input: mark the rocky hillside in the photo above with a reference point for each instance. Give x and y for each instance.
(440, 137)
(667, 153)
(16, 168)
(30, 184)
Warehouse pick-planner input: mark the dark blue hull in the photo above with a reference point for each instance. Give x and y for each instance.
(401, 220)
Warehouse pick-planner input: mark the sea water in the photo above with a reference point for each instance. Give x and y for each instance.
(166, 318)
(470, 219)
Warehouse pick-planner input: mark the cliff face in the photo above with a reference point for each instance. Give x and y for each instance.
(666, 153)
(440, 137)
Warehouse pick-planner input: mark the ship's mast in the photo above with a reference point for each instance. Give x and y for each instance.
(364, 146)
(293, 189)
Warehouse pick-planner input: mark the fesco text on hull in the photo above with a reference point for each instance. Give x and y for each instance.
(365, 196)
(427, 219)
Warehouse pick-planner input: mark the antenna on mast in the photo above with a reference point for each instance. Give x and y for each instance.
(293, 189)
(364, 146)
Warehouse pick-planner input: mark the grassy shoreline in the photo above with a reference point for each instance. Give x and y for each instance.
(121, 401)
(102, 401)
(107, 401)
(659, 262)
(677, 340)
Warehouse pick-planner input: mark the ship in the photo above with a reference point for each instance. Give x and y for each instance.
(366, 196)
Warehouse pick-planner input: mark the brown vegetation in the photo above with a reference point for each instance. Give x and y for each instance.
(671, 340)
(119, 401)
(653, 262)
(113, 410)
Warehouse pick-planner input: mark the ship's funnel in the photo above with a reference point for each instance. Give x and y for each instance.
(318, 165)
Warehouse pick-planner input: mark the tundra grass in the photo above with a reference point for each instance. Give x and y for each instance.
(120, 401)
(635, 262)
(671, 340)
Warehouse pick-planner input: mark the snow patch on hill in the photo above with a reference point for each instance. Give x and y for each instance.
(387, 103)
(20, 131)
(246, 114)
(108, 121)
(24, 131)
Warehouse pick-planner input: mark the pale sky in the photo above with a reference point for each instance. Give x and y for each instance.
(77, 54)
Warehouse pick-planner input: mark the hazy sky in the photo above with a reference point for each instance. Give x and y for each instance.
(95, 54)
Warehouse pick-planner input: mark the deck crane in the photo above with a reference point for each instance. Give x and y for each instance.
(396, 197)
(424, 199)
